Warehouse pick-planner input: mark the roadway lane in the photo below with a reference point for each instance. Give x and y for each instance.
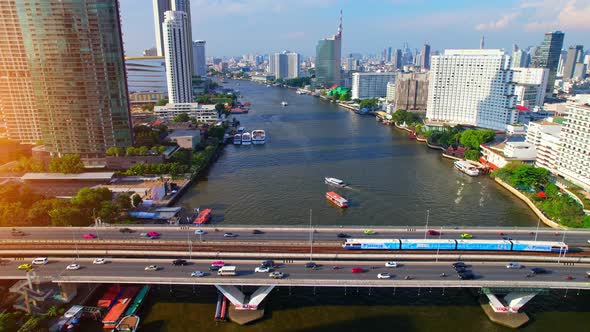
(302, 235)
(419, 271)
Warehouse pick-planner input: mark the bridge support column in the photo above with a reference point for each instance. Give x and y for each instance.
(68, 291)
(245, 309)
(504, 310)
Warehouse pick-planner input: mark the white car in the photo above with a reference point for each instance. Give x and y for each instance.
(99, 261)
(277, 275)
(152, 268)
(263, 269)
(384, 275)
(73, 267)
(200, 232)
(197, 274)
(230, 235)
(391, 264)
(513, 266)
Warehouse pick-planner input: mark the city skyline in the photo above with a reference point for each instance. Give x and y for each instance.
(271, 26)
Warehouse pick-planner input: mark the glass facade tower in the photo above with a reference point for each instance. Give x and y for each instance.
(547, 56)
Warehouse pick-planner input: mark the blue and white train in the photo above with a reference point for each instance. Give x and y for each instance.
(449, 244)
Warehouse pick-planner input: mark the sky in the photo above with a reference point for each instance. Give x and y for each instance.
(237, 27)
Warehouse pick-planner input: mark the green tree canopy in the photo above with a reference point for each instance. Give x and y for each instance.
(182, 117)
(68, 163)
(473, 138)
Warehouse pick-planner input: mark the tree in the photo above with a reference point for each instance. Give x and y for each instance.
(472, 154)
(143, 151)
(162, 102)
(8, 321)
(91, 198)
(136, 200)
(181, 117)
(68, 163)
(38, 213)
(472, 138)
(108, 211)
(131, 151)
(123, 201)
(219, 107)
(115, 151)
(68, 216)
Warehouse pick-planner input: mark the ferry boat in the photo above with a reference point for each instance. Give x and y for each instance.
(137, 301)
(241, 130)
(237, 139)
(466, 168)
(128, 324)
(258, 136)
(239, 110)
(337, 199)
(246, 138)
(334, 182)
(203, 217)
(284, 103)
(112, 317)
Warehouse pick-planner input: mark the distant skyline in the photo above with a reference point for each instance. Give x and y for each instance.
(237, 27)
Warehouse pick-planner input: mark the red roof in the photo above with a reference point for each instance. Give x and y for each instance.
(522, 108)
(541, 194)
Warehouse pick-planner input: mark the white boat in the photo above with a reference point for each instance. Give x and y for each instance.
(258, 136)
(128, 324)
(284, 103)
(466, 168)
(246, 138)
(334, 182)
(238, 139)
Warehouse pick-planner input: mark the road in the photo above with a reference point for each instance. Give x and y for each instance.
(185, 233)
(487, 274)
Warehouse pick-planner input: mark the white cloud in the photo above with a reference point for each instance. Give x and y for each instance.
(499, 24)
(557, 14)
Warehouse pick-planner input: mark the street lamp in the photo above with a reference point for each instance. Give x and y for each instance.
(426, 227)
(310, 238)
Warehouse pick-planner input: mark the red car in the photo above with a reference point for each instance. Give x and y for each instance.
(153, 234)
(432, 232)
(356, 270)
(89, 236)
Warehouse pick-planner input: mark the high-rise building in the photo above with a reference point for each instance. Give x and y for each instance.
(531, 84)
(160, 7)
(176, 46)
(575, 55)
(547, 56)
(389, 49)
(545, 136)
(67, 57)
(370, 85)
(519, 58)
(482, 42)
(150, 52)
(425, 63)
(574, 156)
(397, 59)
(328, 57)
(199, 64)
(411, 91)
(293, 64)
(146, 74)
(278, 65)
(472, 87)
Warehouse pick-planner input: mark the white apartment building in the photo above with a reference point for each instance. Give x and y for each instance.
(574, 156)
(203, 113)
(531, 84)
(178, 60)
(371, 85)
(472, 87)
(293, 65)
(390, 93)
(284, 65)
(199, 64)
(545, 136)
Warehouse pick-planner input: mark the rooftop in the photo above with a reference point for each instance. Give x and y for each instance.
(98, 176)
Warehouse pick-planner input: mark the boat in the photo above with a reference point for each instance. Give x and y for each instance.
(137, 301)
(246, 138)
(112, 317)
(258, 136)
(239, 110)
(268, 85)
(238, 139)
(337, 199)
(334, 182)
(247, 103)
(203, 217)
(128, 323)
(466, 168)
(69, 320)
(241, 130)
(107, 300)
(284, 103)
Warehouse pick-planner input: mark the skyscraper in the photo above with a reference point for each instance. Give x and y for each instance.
(68, 55)
(279, 65)
(575, 55)
(199, 64)
(482, 42)
(519, 58)
(547, 56)
(294, 62)
(161, 7)
(327, 62)
(389, 49)
(425, 63)
(397, 59)
(176, 46)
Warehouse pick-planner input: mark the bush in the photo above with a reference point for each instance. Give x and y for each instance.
(68, 163)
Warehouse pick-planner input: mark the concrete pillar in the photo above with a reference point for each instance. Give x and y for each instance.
(239, 300)
(511, 303)
(68, 291)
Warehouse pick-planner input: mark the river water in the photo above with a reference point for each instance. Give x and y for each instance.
(393, 179)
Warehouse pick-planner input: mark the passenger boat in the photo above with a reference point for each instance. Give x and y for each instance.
(334, 182)
(137, 301)
(466, 168)
(239, 110)
(112, 317)
(258, 136)
(238, 139)
(203, 217)
(284, 103)
(128, 324)
(337, 199)
(246, 138)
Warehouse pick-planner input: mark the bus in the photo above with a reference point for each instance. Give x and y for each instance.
(227, 271)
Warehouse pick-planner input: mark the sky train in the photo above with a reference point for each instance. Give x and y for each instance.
(450, 244)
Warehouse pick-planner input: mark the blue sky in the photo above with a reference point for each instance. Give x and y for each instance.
(236, 27)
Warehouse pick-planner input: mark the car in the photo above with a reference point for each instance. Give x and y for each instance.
(466, 236)
(153, 235)
(73, 266)
(200, 232)
(126, 230)
(197, 274)
(99, 261)
(179, 262)
(276, 275)
(538, 270)
(357, 270)
(267, 263)
(263, 269)
(214, 267)
(369, 232)
(40, 261)
(391, 264)
(256, 232)
(383, 275)
(311, 265)
(466, 275)
(513, 266)
(569, 278)
(152, 268)
(342, 235)
(459, 264)
(25, 267)
(432, 232)
(89, 236)
(587, 274)
(230, 235)
(16, 232)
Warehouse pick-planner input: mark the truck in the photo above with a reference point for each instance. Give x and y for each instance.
(227, 271)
